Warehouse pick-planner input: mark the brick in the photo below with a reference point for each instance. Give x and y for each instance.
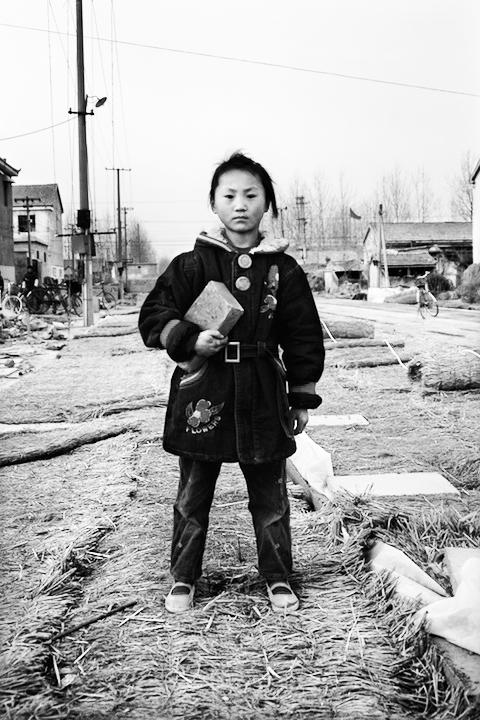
(215, 309)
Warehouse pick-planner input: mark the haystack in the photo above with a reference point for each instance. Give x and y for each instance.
(457, 369)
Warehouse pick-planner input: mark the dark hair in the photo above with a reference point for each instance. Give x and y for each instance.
(239, 161)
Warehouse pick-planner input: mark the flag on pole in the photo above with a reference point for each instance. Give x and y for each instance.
(354, 215)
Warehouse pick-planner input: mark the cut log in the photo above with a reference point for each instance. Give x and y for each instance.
(409, 297)
(373, 361)
(106, 331)
(334, 329)
(361, 342)
(452, 370)
(121, 406)
(42, 447)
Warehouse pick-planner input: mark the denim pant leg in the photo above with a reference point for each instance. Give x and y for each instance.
(190, 517)
(270, 509)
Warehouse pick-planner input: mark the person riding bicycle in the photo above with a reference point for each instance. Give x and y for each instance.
(422, 284)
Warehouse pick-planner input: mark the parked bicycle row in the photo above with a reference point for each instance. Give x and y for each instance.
(53, 298)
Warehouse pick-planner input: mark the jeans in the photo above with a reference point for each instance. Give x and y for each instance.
(268, 505)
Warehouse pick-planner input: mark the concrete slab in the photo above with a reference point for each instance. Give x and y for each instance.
(428, 483)
(332, 420)
(455, 557)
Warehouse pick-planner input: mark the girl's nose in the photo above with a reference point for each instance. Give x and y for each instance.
(240, 203)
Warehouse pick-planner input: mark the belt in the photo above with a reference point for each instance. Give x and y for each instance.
(235, 352)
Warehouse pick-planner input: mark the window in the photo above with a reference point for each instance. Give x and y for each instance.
(23, 223)
(44, 257)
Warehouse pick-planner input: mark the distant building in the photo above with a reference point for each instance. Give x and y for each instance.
(37, 227)
(413, 248)
(7, 254)
(475, 180)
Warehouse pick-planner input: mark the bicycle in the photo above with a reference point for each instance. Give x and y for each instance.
(73, 296)
(427, 304)
(106, 299)
(45, 298)
(10, 302)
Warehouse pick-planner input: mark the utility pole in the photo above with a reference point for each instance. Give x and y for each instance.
(120, 264)
(83, 215)
(125, 210)
(27, 200)
(382, 250)
(300, 200)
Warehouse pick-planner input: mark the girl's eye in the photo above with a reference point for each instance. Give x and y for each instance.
(251, 197)
(229, 196)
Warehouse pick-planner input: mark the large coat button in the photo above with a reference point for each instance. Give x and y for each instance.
(242, 283)
(244, 261)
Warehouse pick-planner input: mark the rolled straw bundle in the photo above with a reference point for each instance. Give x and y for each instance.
(450, 370)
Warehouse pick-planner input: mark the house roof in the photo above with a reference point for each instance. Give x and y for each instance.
(7, 169)
(415, 258)
(426, 234)
(475, 172)
(47, 194)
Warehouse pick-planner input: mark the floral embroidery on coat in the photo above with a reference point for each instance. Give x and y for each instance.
(271, 284)
(205, 414)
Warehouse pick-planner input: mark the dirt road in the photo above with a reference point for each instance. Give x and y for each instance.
(453, 326)
(88, 528)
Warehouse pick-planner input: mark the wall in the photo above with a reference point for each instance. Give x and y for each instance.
(7, 257)
(476, 219)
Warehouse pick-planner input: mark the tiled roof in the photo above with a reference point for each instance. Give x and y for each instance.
(7, 169)
(416, 258)
(426, 234)
(47, 194)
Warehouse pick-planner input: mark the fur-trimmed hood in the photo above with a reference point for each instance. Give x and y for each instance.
(267, 244)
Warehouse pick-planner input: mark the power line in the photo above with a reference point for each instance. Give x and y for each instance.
(282, 66)
(32, 132)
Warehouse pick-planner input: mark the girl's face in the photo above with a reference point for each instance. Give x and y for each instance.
(240, 202)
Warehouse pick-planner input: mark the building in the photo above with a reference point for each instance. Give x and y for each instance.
(37, 230)
(7, 253)
(475, 181)
(413, 248)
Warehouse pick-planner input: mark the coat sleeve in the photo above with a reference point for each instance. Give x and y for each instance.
(161, 321)
(301, 338)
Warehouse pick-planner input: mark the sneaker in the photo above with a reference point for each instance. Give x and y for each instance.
(180, 598)
(282, 597)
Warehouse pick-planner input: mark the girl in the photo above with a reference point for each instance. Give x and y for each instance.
(236, 408)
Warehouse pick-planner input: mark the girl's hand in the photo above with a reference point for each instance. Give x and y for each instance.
(210, 342)
(298, 420)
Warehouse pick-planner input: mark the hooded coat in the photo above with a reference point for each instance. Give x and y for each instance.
(237, 411)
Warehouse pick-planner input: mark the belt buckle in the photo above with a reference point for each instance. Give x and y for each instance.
(236, 356)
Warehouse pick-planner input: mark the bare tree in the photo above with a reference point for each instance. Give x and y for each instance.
(394, 193)
(423, 199)
(139, 245)
(320, 200)
(461, 198)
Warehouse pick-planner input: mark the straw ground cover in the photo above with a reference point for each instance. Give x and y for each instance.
(90, 530)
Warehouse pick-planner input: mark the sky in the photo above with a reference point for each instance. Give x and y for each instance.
(350, 88)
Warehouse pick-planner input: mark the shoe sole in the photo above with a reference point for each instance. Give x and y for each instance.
(287, 609)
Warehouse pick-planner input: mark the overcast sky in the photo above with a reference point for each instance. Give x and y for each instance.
(357, 87)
